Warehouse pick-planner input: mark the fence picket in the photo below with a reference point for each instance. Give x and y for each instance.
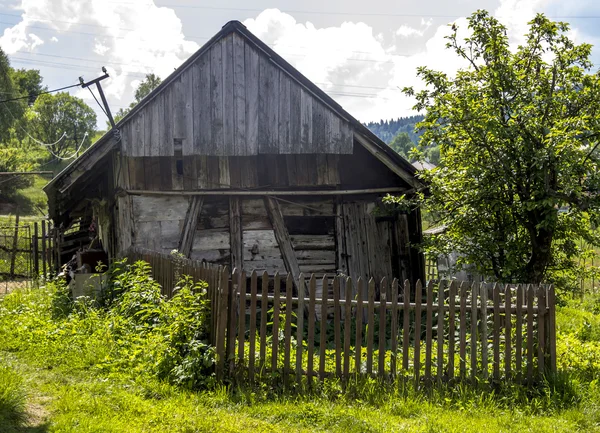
(405, 326)
(440, 333)
(519, 334)
(382, 318)
(336, 327)
(359, 326)
(222, 326)
(529, 334)
(451, 327)
(417, 363)
(252, 330)
(289, 284)
(312, 293)
(394, 328)
(429, 332)
(541, 340)
(552, 327)
(347, 328)
(496, 333)
(233, 315)
(370, 326)
(264, 307)
(300, 327)
(242, 317)
(323, 327)
(507, 331)
(276, 312)
(484, 329)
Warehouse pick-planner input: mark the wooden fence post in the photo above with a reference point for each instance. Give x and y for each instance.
(474, 308)
(552, 329)
(232, 322)
(35, 251)
(417, 362)
(382, 323)
(300, 328)
(223, 290)
(15, 246)
(541, 296)
(44, 250)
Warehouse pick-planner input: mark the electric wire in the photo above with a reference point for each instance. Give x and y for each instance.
(38, 94)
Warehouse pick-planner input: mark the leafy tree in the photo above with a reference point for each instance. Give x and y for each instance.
(402, 144)
(11, 159)
(28, 82)
(63, 115)
(518, 185)
(10, 111)
(149, 83)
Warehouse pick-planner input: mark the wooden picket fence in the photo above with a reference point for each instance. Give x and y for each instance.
(278, 328)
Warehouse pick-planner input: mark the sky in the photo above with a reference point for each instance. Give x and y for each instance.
(361, 53)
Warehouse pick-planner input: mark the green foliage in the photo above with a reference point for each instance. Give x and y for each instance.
(386, 130)
(12, 159)
(519, 174)
(54, 115)
(402, 144)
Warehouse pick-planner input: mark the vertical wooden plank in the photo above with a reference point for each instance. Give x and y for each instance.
(417, 362)
(347, 327)
(285, 144)
(252, 330)
(252, 105)
(264, 308)
(36, 253)
(484, 330)
(318, 129)
(300, 327)
(166, 128)
(295, 130)
(216, 98)
(202, 107)
(276, 312)
(306, 122)
(440, 331)
(370, 326)
(462, 351)
(242, 317)
(358, 344)
(383, 291)
(289, 285)
(394, 328)
(473, 341)
(268, 107)
(239, 95)
(496, 336)
(336, 327)
(541, 302)
(530, 334)
(519, 333)
(228, 100)
(429, 332)
(451, 327)
(405, 326)
(552, 328)
(188, 115)
(507, 332)
(323, 326)
(312, 290)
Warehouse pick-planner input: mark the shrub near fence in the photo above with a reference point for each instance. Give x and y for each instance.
(275, 327)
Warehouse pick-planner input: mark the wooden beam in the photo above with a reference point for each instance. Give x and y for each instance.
(189, 226)
(387, 161)
(235, 233)
(283, 237)
(234, 192)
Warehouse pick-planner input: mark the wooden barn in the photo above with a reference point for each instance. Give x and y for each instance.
(238, 159)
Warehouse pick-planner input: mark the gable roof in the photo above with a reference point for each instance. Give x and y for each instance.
(111, 139)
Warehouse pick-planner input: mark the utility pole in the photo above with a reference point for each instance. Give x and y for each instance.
(96, 81)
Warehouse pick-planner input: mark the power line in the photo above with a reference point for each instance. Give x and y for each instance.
(38, 94)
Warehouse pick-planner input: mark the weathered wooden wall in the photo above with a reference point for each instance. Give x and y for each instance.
(232, 101)
(214, 172)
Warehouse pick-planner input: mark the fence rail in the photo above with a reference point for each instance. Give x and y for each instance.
(311, 328)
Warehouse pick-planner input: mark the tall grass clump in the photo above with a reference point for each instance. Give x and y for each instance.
(12, 399)
(134, 330)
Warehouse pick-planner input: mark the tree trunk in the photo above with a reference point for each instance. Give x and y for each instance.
(541, 254)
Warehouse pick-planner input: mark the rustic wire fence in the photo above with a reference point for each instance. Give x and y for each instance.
(281, 329)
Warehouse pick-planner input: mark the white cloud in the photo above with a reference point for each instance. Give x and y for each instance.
(18, 38)
(405, 31)
(54, 39)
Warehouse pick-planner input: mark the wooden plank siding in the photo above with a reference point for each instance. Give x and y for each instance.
(235, 101)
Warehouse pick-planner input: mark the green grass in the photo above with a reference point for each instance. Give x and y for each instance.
(83, 369)
(12, 399)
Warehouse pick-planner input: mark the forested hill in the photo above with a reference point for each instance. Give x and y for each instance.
(388, 129)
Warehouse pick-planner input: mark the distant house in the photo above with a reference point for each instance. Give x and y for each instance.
(238, 159)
